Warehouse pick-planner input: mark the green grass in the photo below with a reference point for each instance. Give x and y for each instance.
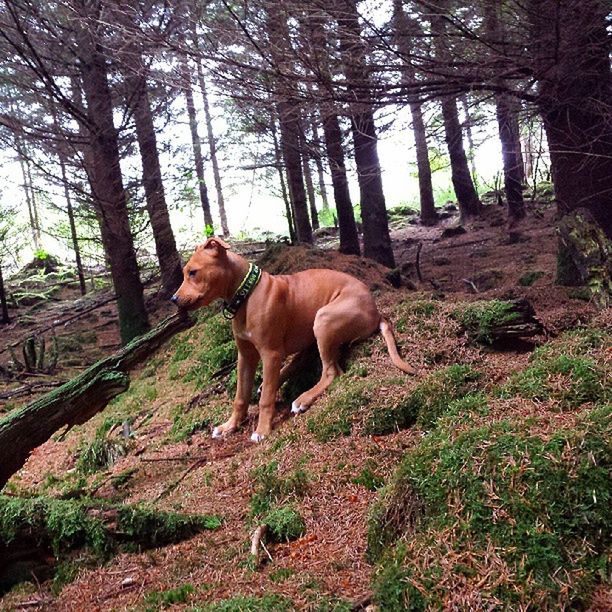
(215, 351)
(103, 451)
(543, 505)
(186, 423)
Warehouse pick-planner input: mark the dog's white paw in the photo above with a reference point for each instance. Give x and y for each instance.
(298, 408)
(256, 437)
(217, 433)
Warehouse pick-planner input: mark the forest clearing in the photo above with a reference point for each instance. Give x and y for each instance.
(456, 158)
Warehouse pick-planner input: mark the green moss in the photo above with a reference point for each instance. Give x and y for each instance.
(568, 379)
(270, 487)
(479, 319)
(216, 351)
(369, 479)
(530, 277)
(160, 600)
(102, 451)
(284, 524)
(244, 603)
(347, 396)
(151, 527)
(543, 504)
(119, 481)
(426, 403)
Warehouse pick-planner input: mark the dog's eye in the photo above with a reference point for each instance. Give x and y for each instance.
(191, 273)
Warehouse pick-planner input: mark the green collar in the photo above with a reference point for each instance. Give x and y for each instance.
(242, 293)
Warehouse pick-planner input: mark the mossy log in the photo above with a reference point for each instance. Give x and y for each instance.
(76, 401)
(37, 532)
(497, 321)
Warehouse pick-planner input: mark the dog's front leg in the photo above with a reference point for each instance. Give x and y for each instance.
(248, 358)
(272, 361)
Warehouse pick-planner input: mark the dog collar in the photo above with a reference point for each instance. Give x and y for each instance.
(242, 293)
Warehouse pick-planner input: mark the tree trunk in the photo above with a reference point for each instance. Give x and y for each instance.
(289, 117)
(513, 162)
(471, 154)
(429, 216)
(170, 264)
(73, 233)
(78, 400)
(316, 143)
(26, 189)
(467, 198)
(212, 143)
(574, 100)
(197, 146)
(310, 192)
(405, 29)
(376, 239)
(3, 305)
(349, 239)
(278, 158)
(109, 194)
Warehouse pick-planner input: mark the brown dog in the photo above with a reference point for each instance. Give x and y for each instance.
(278, 316)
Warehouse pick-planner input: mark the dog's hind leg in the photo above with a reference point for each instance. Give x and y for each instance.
(336, 324)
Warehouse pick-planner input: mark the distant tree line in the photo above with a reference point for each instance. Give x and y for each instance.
(82, 82)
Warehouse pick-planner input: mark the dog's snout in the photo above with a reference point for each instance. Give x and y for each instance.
(174, 299)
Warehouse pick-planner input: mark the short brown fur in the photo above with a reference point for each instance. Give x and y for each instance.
(283, 316)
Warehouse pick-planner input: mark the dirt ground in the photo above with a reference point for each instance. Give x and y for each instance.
(202, 475)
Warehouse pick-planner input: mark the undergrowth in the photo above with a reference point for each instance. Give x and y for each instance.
(516, 518)
(356, 400)
(481, 318)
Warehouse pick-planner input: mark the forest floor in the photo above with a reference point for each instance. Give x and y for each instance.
(327, 469)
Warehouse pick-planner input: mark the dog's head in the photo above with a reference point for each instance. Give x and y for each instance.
(204, 275)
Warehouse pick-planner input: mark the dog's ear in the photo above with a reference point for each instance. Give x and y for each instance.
(214, 244)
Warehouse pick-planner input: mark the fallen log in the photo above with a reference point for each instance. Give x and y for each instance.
(499, 321)
(76, 401)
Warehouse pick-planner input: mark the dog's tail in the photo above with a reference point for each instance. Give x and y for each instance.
(387, 332)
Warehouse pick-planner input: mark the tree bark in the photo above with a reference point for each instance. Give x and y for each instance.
(196, 144)
(73, 233)
(349, 239)
(170, 264)
(78, 400)
(429, 216)
(212, 144)
(571, 49)
(289, 117)
(278, 158)
(316, 143)
(310, 192)
(3, 305)
(29, 195)
(467, 198)
(471, 154)
(404, 29)
(511, 154)
(109, 194)
(376, 239)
